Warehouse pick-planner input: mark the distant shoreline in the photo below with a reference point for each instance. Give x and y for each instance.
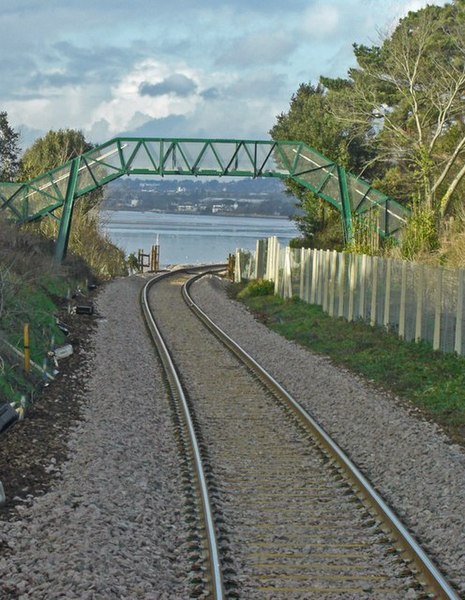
(198, 214)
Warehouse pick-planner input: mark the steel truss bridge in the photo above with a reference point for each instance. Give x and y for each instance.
(53, 194)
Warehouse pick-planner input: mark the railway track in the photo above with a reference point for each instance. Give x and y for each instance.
(277, 510)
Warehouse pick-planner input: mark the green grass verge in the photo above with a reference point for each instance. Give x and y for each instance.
(431, 381)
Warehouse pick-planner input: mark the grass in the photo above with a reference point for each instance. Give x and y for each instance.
(33, 290)
(429, 380)
(35, 306)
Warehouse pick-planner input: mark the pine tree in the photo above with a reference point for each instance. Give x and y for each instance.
(9, 149)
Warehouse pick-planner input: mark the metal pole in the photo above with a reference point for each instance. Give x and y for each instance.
(67, 214)
(345, 205)
(27, 349)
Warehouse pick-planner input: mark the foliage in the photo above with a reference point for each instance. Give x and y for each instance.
(405, 98)
(257, 287)
(86, 239)
(432, 381)
(420, 234)
(133, 262)
(9, 150)
(52, 150)
(309, 120)
(32, 288)
(398, 119)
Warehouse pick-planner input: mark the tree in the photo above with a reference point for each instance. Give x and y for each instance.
(406, 98)
(309, 120)
(53, 150)
(86, 239)
(9, 149)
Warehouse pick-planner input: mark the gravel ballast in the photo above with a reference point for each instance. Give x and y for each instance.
(112, 524)
(111, 527)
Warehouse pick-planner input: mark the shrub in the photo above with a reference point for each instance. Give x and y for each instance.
(257, 287)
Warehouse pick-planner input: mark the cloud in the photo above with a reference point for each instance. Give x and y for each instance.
(268, 85)
(219, 69)
(259, 48)
(211, 93)
(174, 94)
(55, 80)
(171, 126)
(177, 84)
(322, 20)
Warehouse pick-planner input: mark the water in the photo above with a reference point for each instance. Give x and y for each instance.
(192, 239)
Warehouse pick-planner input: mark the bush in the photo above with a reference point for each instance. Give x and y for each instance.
(257, 287)
(33, 287)
(420, 234)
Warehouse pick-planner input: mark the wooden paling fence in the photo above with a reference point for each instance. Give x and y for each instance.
(417, 301)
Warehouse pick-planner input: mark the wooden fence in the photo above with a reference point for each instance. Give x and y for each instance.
(417, 301)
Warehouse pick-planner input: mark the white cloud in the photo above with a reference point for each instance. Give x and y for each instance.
(127, 101)
(259, 48)
(210, 68)
(321, 20)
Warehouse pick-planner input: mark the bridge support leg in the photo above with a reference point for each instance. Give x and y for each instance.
(346, 208)
(61, 245)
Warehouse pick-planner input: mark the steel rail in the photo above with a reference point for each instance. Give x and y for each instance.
(218, 591)
(429, 573)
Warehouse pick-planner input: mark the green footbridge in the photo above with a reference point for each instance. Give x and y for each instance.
(53, 194)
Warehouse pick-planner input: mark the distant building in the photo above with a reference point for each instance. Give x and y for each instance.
(216, 208)
(187, 208)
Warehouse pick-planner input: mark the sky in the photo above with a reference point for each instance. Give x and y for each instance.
(182, 68)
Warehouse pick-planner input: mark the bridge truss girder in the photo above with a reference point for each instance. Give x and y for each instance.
(54, 192)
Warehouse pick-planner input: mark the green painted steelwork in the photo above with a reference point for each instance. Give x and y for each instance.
(54, 192)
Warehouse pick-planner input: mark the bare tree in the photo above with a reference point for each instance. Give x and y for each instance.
(407, 96)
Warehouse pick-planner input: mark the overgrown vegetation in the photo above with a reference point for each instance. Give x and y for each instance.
(398, 120)
(86, 238)
(33, 289)
(257, 287)
(431, 381)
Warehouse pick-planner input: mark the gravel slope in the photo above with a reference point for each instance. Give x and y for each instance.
(409, 460)
(111, 526)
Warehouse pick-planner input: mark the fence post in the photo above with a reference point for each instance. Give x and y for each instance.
(403, 294)
(257, 256)
(437, 311)
(374, 291)
(237, 268)
(321, 266)
(326, 275)
(302, 274)
(387, 295)
(314, 276)
(308, 268)
(260, 259)
(332, 283)
(271, 257)
(419, 313)
(287, 274)
(341, 281)
(155, 258)
(459, 313)
(276, 267)
(362, 279)
(352, 284)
